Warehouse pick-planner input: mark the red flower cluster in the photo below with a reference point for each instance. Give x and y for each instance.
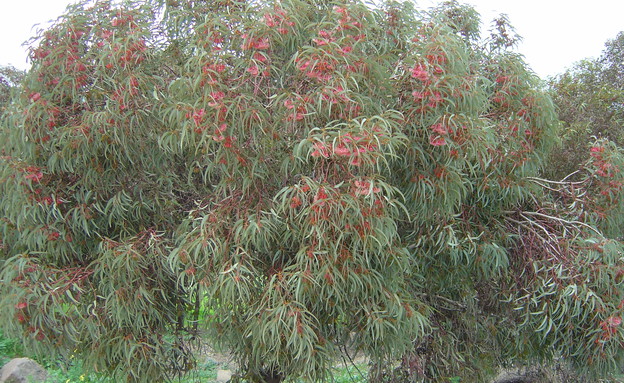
(604, 168)
(317, 68)
(53, 236)
(253, 70)
(439, 131)
(259, 43)
(609, 328)
(325, 38)
(335, 95)
(437, 140)
(198, 116)
(280, 20)
(218, 135)
(430, 99)
(346, 21)
(298, 111)
(35, 97)
(295, 202)
(217, 98)
(348, 145)
(364, 188)
(420, 72)
(33, 173)
(211, 71)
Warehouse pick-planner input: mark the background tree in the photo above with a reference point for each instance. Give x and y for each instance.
(589, 99)
(326, 177)
(10, 77)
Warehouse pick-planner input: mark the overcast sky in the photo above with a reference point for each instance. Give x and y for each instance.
(556, 33)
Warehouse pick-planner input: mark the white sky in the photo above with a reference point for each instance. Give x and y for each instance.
(556, 33)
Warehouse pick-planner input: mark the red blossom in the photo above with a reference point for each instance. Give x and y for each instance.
(217, 97)
(614, 321)
(35, 177)
(304, 66)
(320, 42)
(329, 279)
(34, 174)
(320, 150)
(437, 140)
(320, 195)
(439, 129)
(435, 99)
(342, 150)
(438, 58)
(21, 305)
(260, 43)
(364, 188)
(295, 202)
(259, 57)
(418, 96)
(206, 69)
(270, 20)
(53, 236)
(596, 151)
(420, 72)
(47, 200)
(253, 70)
(198, 116)
(229, 141)
(106, 34)
(355, 161)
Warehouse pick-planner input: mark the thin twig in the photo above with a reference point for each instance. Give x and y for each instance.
(537, 179)
(346, 352)
(563, 221)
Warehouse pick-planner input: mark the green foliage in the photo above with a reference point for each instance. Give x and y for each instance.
(9, 348)
(322, 176)
(589, 99)
(10, 78)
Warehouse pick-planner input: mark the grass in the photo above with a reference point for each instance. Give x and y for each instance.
(9, 349)
(204, 373)
(351, 374)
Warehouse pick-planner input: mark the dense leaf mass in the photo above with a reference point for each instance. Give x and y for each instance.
(590, 103)
(317, 178)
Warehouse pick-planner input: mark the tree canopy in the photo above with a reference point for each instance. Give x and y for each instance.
(321, 178)
(10, 77)
(590, 104)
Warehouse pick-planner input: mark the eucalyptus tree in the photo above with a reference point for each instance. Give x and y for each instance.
(317, 178)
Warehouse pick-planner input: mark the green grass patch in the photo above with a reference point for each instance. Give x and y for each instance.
(350, 374)
(206, 372)
(9, 349)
